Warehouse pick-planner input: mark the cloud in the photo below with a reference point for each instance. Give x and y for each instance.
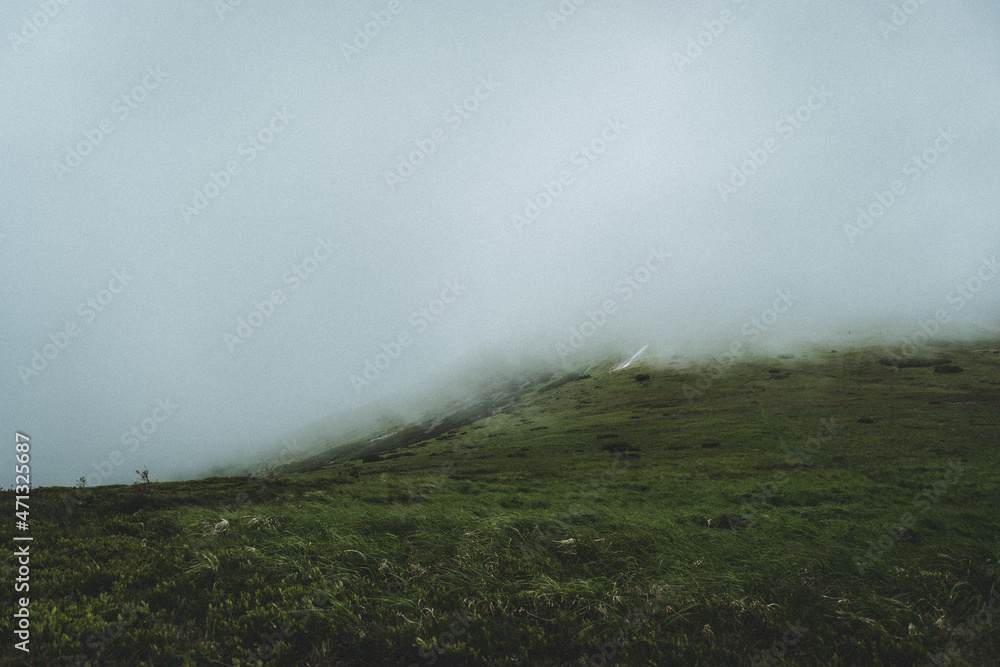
(281, 189)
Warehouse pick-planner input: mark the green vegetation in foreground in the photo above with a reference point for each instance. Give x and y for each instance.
(605, 514)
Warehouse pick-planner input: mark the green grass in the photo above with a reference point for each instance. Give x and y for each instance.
(717, 525)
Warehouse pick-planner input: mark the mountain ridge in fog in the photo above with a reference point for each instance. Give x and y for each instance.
(540, 164)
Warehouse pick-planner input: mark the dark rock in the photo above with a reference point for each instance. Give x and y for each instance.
(397, 455)
(948, 369)
(572, 377)
(641, 377)
(616, 447)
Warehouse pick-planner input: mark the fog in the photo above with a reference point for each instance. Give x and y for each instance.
(217, 216)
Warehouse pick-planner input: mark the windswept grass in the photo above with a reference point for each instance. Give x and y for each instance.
(829, 510)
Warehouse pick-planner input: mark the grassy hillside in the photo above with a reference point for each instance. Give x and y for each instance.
(821, 510)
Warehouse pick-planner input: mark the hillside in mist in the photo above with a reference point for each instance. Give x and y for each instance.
(227, 221)
(827, 506)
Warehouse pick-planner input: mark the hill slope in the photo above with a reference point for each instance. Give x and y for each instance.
(828, 510)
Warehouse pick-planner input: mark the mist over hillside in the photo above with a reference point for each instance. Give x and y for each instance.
(225, 222)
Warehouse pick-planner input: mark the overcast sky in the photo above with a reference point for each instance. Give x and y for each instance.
(215, 217)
